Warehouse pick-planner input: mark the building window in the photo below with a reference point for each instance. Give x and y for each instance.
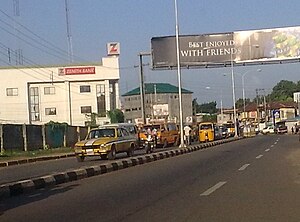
(85, 89)
(34, 104)
(49, 90)
(100, 93)
(112, 95)
(12, 91)
(86, 109)
(50, 111)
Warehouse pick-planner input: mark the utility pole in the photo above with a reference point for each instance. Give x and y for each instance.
(18, 51)
(142, 85)
(257, 107)
(69, 35)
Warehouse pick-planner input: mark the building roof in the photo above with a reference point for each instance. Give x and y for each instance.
(159, 88)
(52, 65)
(272, 106)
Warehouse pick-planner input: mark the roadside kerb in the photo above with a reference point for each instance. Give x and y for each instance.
(29, 185)
(35, 159)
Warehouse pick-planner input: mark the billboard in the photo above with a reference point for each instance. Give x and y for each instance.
(161, 110)
(243, 47)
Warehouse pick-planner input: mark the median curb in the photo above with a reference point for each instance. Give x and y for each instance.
(27, 186)
(34, 159)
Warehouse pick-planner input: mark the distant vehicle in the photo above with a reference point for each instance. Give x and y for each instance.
(206, 132)
(166, 133)
(230, 128)
(268, 129)
(218, 133)
(280, 128)
(224, 131)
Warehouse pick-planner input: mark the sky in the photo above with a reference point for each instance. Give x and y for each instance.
(38, 28)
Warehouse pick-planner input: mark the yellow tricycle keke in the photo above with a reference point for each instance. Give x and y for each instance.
(206, 132)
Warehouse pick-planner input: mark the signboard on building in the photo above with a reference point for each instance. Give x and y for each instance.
(161, 110)
(212, 50)
(276, 116)
(113, 48)
(77, 71)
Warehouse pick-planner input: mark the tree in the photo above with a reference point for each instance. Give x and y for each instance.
(210, 108)
(283, 91)
(116, 116)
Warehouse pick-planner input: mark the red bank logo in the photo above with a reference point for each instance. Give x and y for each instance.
(77, 71)
(113, 48)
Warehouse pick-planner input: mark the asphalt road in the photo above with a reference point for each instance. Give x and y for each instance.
(254, 179)
(42, 168)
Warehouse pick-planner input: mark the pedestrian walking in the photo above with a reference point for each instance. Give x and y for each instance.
(187, 135)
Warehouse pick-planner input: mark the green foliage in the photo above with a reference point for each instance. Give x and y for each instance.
(116, 116)
(56, 125)
(210, 107)
(283, 91)
(210, 118)
(93, 119)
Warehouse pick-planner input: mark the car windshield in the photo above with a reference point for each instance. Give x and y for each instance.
(151, 127)
(101, 133)
(205, 126)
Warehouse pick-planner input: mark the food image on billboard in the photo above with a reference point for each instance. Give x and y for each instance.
(263, 46)
(268, 44)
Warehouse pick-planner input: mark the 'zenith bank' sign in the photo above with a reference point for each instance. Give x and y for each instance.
(77, 71)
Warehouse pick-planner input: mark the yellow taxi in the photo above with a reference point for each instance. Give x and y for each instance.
(106, 142)
(206, 132)
(166, 133)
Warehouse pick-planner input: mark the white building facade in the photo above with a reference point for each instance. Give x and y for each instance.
(70, 94)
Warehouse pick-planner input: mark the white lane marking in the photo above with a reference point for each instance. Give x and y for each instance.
(272, 145)
(267, 150)
(275, 143)
(259, 156)
(244, 167)
(213, 189)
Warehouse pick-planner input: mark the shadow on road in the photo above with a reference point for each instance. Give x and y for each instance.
(37, 195)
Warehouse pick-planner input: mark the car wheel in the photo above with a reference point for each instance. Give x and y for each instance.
(165, 144)
(130, 151)
(80, 158)
(103, 156)
(112, 154)
(177, 141)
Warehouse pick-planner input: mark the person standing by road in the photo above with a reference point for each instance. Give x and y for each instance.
(187, 134)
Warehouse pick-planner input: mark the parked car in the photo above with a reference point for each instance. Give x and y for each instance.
(106, 142)
(281, 128)
(268, 129)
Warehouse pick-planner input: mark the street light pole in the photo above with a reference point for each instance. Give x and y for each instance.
(233, 97)
(179, 75)
(243, 85)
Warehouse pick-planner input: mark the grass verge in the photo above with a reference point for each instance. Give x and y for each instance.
(16, 154)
